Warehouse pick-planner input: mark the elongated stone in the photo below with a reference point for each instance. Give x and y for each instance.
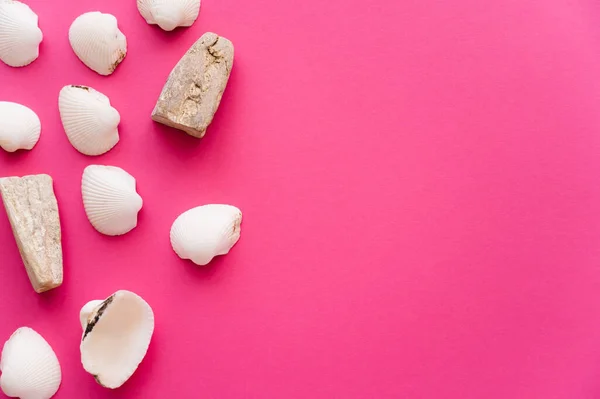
(33, 214)
(192, 94)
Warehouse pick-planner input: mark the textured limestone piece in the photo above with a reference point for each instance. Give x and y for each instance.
(33, 214)
(195, 86)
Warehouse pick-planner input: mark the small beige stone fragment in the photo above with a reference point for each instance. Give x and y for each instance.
(33, 214)
(192, 94)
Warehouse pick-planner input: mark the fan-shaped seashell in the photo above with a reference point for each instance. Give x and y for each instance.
(116, 337)
(19, 127)
(98, 42)
(204, 232)
(88, 119)
(20, 36)
(110, 200)
(30, 369)
(169, 14)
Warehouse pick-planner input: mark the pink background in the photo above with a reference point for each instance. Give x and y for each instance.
(421, 196)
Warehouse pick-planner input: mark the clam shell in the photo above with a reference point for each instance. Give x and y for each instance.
(110, 200)
(169, 14)
(88, 119)
(116, 337)
(204, 232)
(30, 368)
(98, 42)
(20, 127)
(20, 36)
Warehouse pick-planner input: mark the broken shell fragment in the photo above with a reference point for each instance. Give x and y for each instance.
(169, 14)
(192, 94)
(97, 41)
(30, 368)
(89, 120)
(87, 310)
(204, 232)
(116, 336)
(110, 200)
(20, 36)
(20, 127)
(33, 214)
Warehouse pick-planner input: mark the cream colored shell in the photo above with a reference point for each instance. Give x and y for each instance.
(116, 336)
(206, 231)
(20, 127)
(97, 41)
(20, 36)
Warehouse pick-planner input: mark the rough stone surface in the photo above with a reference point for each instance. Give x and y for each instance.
(33, 214)
(194, 88)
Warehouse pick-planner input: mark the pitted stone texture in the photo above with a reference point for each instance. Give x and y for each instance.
(33, 214)
(192, 94)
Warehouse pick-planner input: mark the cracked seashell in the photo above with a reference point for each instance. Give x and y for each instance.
(204, 232)
(30, 368)
(98, 42)
(110, 200)
(20, 127)
(116, 336)
(169, 14)
(88, 119)
(20, 36)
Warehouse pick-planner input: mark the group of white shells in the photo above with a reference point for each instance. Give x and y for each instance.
(94, 36)
(112, 204)
(116, 331)
(116, 336)
(89, 121)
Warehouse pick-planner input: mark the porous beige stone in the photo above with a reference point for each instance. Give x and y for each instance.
(33, 214)
(192, 94)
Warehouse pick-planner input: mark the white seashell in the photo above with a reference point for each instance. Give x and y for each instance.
(20, 36)
(98, 42)
(30, 369)
(116, 338)
(19, 127)
(204, 232)
(110, 200)
(169, 14)
(88, 119)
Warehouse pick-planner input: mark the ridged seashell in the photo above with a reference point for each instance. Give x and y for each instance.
(88, 119)
(98, 42)
(169, 14)
(20, 127)
(117, 333)
(110, 200)
(20, 36)
(30, 368)
(204, 232)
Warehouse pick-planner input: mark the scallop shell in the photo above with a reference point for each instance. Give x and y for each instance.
(169, 14)
(110, 200)
(19, 127)
(98, 42)
(204, 232)
(117, 333)
(20, 36)
(30, 369)
(88, 119)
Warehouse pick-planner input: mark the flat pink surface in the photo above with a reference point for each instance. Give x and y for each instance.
(420, 182)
